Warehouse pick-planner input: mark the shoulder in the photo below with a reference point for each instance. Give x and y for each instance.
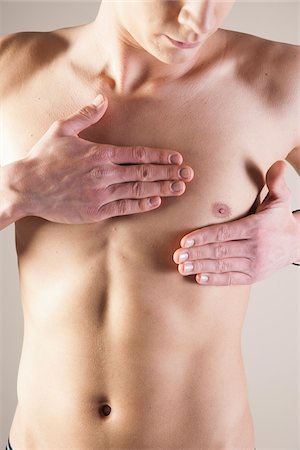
(27, 70)
(270, 71)
(16, 60)
(22, 54)
(255, 55)
(264, 62)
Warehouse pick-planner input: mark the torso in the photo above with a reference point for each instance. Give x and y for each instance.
(108, 319)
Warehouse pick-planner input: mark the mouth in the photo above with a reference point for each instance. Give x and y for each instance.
(180, 44)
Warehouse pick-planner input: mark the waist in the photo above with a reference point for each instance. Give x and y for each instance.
(150, 390)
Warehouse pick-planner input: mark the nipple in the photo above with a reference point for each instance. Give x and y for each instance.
(221, 210)
(105, 410)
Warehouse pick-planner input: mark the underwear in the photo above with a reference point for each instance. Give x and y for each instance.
(8, 447)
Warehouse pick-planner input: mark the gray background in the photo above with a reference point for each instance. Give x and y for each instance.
(271, 335)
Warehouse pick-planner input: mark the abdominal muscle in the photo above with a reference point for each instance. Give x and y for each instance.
(108, 320)
(121, 327)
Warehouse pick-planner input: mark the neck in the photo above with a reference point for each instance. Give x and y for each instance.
(125, 65)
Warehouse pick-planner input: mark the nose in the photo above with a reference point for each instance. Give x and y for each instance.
(197, 15)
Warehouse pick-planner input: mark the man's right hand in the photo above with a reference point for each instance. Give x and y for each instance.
(67, 179)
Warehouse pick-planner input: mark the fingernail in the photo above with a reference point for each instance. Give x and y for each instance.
(183, 257)
(154, 201)
(188, 267)
(204, 279)
(177, 186)
(175, 159)
(185, 173)
(99, 100)
(189, 243)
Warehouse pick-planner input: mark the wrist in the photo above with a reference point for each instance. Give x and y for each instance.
(296, 215)
(13, 192)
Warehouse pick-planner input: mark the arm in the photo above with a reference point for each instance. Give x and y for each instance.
(248, 250)
(294, 159)
(12, 208)
(297, 217)
(10, 201)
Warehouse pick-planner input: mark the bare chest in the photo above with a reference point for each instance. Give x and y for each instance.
(223, 131)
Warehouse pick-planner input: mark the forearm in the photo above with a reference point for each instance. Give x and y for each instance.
(297, 237)
(12, 202)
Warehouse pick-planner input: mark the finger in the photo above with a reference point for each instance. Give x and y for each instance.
(216, 250)
(140, 189)
(143, 172)
(216, 266)
(82, 119)
(223, 279)
(227, 231)
(125, 207)
(139, 155)
(152, 172)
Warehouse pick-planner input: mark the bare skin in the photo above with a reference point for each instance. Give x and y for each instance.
(120, 351)
(82, 182)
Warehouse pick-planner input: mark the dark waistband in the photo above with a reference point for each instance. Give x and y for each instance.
(8, 447)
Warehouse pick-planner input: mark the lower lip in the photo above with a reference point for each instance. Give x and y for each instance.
(182, 44)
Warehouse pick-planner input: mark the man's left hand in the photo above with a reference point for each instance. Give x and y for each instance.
(246, 250)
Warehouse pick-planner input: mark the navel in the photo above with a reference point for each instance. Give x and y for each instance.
(105, 409)
(221, 210)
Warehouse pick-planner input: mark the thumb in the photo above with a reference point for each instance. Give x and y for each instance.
(279, 191)
(85, 117)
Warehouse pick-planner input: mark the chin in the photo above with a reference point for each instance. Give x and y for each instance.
(168, 58)
(171, 56)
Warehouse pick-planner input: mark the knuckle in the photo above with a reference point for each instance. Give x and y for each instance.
(139, 152)
(97, 154)
(113, 191)
(107, 210)
(108, 152)
(253, 250)
(228, 279)
(220, 251)
(88, 111)
(91, 211)
(143, 172)
(100, 172)
(223, 233)
(255, 247)
(223, 265)
(95, 173)
(199, 266)
(137, 189)
(123, 206)
(57, 125)
(249, 265)
(197, 253)
(102, 153)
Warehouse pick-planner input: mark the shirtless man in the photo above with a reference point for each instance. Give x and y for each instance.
(120, 350)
